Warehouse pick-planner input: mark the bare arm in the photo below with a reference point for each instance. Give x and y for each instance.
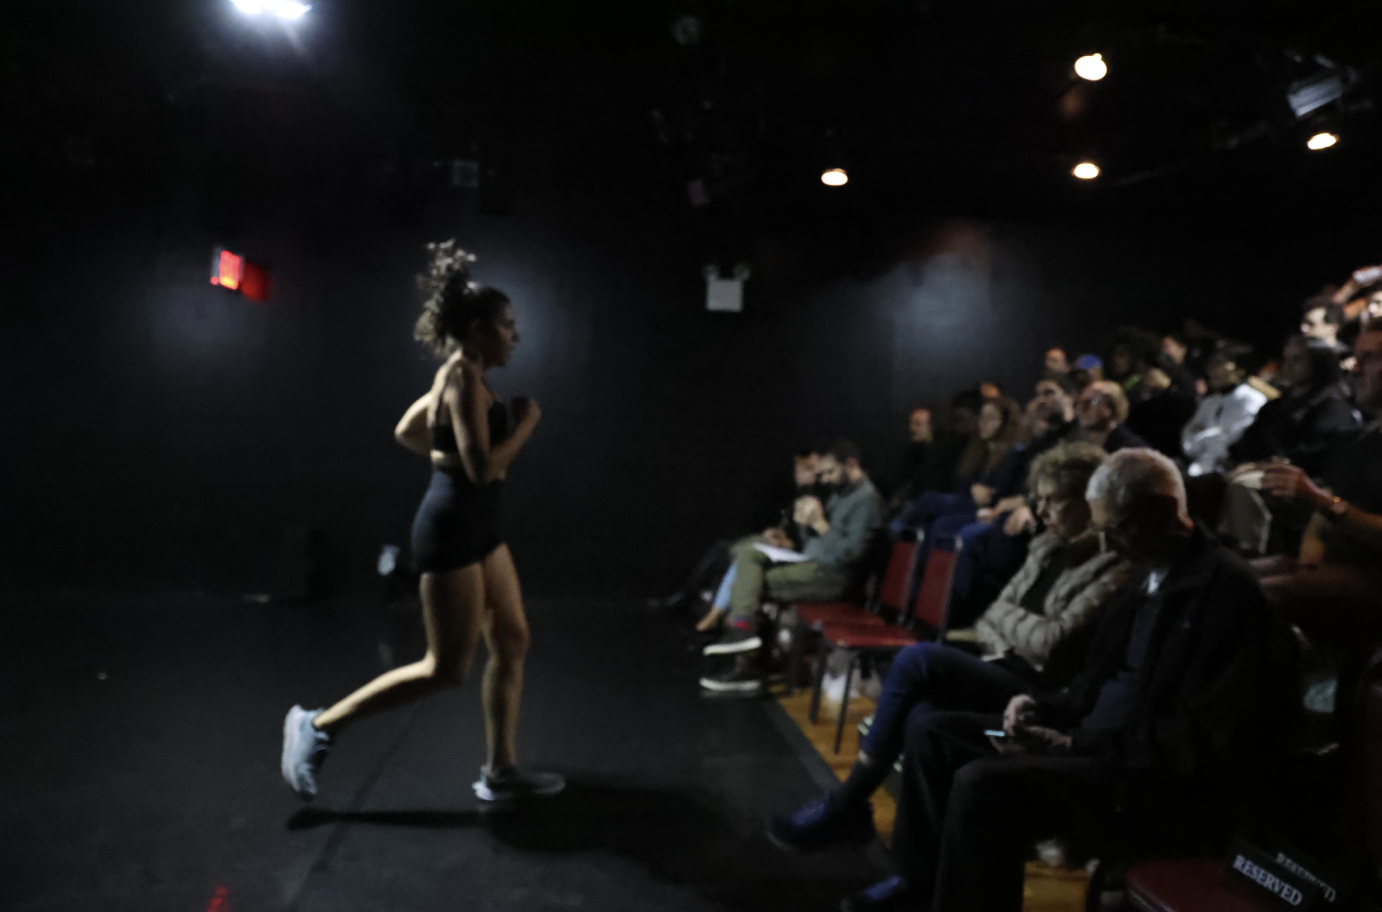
(1291, 482)
(470, 411)
(411, 430)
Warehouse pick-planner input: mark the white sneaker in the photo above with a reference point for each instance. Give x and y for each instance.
(304, 749)
(514, 784)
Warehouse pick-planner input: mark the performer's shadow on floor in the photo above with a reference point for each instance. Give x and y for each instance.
(649, 824)
(675, 836)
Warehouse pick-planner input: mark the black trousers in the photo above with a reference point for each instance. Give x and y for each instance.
(968, 817)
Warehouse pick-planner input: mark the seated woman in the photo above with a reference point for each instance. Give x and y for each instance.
(990, 469)
(1029, 640)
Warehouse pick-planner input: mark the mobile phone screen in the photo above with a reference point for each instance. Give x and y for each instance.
(995, 733)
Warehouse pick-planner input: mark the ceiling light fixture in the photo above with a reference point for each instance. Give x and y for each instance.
(1321, 141)
(835, 177)
(1091, 67)
(1086, 171)
(290, 10)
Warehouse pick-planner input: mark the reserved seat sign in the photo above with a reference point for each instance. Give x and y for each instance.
(1289, 880)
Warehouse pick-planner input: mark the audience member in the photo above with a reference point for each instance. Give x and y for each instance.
(1333, 590)
(718, 561)
(837, 535)
(1313, 409)
(1086, 369)
(928, 463)
(1321, 320)
(1056, 367)
(990, 469)
(1029, 639)
(1054, 407)
(1160, 392)
(1224, 414)
(1101, 409)
(1174, 722)
(993, 547)
(713, 564)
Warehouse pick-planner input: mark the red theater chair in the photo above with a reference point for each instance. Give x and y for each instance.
(927, 610)
(892, 597)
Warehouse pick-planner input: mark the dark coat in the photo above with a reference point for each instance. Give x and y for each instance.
(1218, 692)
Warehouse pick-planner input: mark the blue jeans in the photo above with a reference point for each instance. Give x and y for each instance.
(722, 594)
(928, 677)
(920, 513)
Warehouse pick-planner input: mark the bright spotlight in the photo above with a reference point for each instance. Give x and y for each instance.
(1091, 67)
(284, 9)
(835, 177)
(1321, 141)
(1086, 171)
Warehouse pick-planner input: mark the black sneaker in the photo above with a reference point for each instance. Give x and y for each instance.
(822, 824)
(889, 895)
(743, 678)
(734, 641)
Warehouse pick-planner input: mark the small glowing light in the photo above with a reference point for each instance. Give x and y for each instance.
(835, 177)
(1321, 141)
(1086, 171)
(1091, 67)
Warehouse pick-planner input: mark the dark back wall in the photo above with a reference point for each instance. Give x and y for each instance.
(163, 432)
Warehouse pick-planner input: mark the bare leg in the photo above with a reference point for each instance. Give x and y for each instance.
(710, 621)
(506, 634)
(453, 604)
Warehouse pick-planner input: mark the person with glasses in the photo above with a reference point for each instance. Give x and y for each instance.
(1177, 722)
(1030, 639)
(1101, 410)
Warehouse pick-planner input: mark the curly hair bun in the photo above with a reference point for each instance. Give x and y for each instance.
(451, 301)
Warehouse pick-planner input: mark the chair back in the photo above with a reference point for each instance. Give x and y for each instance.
(897, 576)
(932, 603)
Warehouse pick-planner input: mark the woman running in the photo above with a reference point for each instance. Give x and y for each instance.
(468, 584)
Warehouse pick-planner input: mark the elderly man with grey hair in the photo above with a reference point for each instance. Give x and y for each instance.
(1185, 701)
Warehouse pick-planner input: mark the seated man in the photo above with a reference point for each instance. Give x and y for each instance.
(1334, 591)
(1181, 710)
(1030, 639)
(787, 534)
(837, 535)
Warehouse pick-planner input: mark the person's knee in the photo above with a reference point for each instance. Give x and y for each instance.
(510, 642)
(916, 660)
(445, 670)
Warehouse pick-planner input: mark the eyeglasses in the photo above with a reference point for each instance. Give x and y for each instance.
(1091, 401)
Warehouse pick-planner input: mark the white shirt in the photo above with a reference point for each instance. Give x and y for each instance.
(1218, 423)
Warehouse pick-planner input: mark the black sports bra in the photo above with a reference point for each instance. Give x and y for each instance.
(444, 438)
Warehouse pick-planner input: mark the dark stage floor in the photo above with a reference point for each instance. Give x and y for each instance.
(139, 747)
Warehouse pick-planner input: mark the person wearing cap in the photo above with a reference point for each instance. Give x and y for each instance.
(1086, 369)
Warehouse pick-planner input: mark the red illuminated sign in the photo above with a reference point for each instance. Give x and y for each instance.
(226, 268)
(235, 273)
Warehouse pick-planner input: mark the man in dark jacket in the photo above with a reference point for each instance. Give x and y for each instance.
(1185, 700)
